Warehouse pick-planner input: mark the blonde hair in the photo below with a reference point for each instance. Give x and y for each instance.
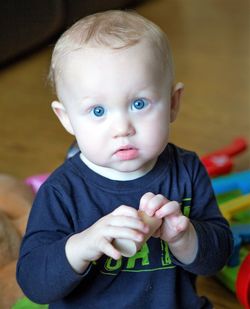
(113, 29)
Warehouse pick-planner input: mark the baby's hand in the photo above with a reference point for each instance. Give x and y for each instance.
(89, 245)
(176, 229)
(174, 224)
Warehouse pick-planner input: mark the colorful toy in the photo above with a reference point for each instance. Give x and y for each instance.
(228, 275)
(243, 283)
(231, 207)
(236, 275)
(25, 303)
(233, 194)
(36, 181)
(242, 216)
(236, 181)
(220, 162)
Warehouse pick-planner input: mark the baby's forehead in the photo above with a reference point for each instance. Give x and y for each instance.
(91, 52)
(142, 56)
(111, 72)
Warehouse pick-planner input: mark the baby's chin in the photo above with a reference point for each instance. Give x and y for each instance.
(133, 169)
(127, 166)
(125, 174)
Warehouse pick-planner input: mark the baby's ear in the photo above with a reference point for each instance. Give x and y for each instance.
(176, 100)
(62, 115)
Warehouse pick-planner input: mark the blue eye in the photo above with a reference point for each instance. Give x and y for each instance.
(139, 104)
(98, 111)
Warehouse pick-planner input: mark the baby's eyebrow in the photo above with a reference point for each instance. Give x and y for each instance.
(85, 98)
(95, 95)
(148, 91)
(88, 98)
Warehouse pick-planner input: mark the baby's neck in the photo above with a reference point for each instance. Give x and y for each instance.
(117, 175)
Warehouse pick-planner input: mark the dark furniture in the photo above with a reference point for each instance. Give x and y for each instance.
(29, 24)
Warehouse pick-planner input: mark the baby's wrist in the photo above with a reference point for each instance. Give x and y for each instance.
(184, 236)
(185, 248)
(78, 263)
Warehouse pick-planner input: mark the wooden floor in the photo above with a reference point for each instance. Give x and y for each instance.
(211, 44)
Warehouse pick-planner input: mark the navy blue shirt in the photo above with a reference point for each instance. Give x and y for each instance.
(74, 197)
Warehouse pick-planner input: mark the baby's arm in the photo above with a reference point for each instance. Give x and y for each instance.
(176, 229)
(53, 257)
(90, 244)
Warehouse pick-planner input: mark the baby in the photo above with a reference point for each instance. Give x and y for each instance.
(113, 75)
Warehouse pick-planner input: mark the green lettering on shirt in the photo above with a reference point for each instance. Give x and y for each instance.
(142, 255)
(112, 265)
(186, 211)
(165, 257)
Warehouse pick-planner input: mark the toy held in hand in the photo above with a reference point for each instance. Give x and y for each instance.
(128, 247)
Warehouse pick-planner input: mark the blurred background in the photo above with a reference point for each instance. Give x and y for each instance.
(211, 47)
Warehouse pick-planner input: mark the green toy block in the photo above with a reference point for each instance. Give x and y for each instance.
(25, 303)
(228, 275)
(224, 197)
(242, 216)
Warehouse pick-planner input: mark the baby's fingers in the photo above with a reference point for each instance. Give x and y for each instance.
(113, 232)
(170, 208)
(151, 205)
(124, 210)
(182, 224)
(145, 199)
(109, 250)
(128, 222)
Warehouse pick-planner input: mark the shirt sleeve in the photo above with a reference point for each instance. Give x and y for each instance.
(43, 271)
(215, 241)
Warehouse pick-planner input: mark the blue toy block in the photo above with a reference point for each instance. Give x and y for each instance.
(235, 181)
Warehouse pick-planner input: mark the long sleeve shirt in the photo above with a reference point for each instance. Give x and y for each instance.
(75, 197)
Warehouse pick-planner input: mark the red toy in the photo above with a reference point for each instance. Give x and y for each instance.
(220, 162)
(243, 283)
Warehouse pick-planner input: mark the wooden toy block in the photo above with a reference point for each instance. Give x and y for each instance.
(128, 247)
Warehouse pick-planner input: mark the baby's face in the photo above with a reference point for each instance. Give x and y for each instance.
(117, 105)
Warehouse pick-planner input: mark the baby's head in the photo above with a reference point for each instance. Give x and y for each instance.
(115, 30)
(113, 75)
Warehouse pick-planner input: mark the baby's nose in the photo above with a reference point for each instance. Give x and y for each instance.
(123, 127)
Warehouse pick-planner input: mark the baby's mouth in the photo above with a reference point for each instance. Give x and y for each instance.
(127, 153)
